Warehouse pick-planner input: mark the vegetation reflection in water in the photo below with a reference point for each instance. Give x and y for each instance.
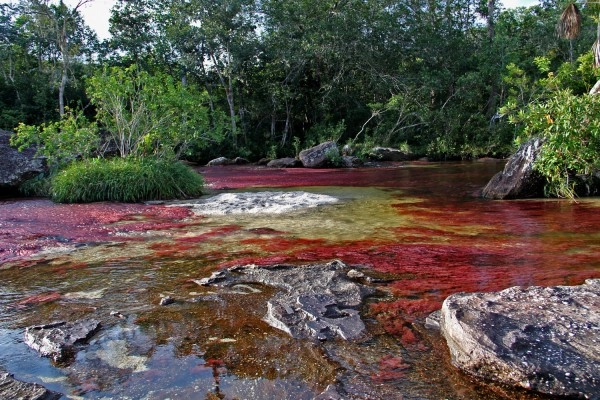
(425, 235)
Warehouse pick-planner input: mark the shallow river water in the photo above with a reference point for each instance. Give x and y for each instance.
(419, 228)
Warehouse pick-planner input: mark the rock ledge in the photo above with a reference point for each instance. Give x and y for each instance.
(318, 301)
(537, 338)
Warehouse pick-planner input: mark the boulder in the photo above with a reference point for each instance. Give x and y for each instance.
(58, 340)
(545, 339)
(287, 162)
(240, 161)
(317, 156)
(17, 167)
(263, 161)
(388, 154)
(352, 162)
(518, 179)
(13, 389)
(219, 162)
(317, 301)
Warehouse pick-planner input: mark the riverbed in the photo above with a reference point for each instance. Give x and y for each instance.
(417, 229)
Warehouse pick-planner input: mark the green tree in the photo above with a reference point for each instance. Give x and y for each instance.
(151, 114)
(64, 35)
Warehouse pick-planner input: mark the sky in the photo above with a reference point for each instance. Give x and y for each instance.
(97, 12)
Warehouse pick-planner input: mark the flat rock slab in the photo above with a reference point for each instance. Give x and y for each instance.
(316, 301)
(545, 339)
(57, 340)
(14, 389)
(256, 203)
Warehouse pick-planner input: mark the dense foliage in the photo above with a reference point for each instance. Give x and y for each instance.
(198, 79)
(124, 179)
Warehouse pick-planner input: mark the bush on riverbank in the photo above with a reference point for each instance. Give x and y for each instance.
(124, 179)
(570, 127)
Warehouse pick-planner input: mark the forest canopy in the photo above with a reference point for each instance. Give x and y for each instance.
(207, 78)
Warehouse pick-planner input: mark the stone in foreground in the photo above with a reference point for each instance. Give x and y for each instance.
(57, 340)
(542, 339)
(316, 301)
(13, 389)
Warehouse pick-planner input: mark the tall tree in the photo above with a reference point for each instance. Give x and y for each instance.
(63, 31)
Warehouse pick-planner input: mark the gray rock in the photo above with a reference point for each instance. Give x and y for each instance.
(57, 340)
(167, 300)
(543, 339)
(518, 179)
(352, 162)
(316, 301)
(240, 161)
(388, 154)
(17, 167)
(219, 162)
(287, 162)
(316, 157)
(13, 389)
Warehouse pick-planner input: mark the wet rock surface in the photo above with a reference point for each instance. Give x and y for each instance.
(315, 301)
(14, 389)
(537, 338)
(256, 203)
(317, 156)
(287, 162)
(518, 179)
(58, 340)
(16, 167)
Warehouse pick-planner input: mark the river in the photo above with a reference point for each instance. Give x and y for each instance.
(419, 228)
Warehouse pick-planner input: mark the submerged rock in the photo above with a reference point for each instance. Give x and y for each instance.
(316, 301)
(14, 389)
(256, 203)
(57, 340)
(518, 179)
(318, 156)
(542, 339)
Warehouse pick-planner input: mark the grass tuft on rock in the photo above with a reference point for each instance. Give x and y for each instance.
(125, 180)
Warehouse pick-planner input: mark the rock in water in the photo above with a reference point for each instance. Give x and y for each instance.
(13, 389)
(287, 162)
(315, 301)
(57, 340)
(388, 154)
(317, 156)
(542, 339)
(518, 179)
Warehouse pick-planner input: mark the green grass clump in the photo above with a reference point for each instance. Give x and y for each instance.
(125, 180)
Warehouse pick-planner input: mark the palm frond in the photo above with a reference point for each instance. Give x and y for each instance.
(569, 23)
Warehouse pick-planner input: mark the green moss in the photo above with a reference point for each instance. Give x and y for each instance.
(126, 180)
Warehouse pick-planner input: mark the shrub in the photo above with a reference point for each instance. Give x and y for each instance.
(570, 126)
(124, 179)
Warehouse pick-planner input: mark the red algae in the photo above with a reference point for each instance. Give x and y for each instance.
(29, 226)
(39, 298)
